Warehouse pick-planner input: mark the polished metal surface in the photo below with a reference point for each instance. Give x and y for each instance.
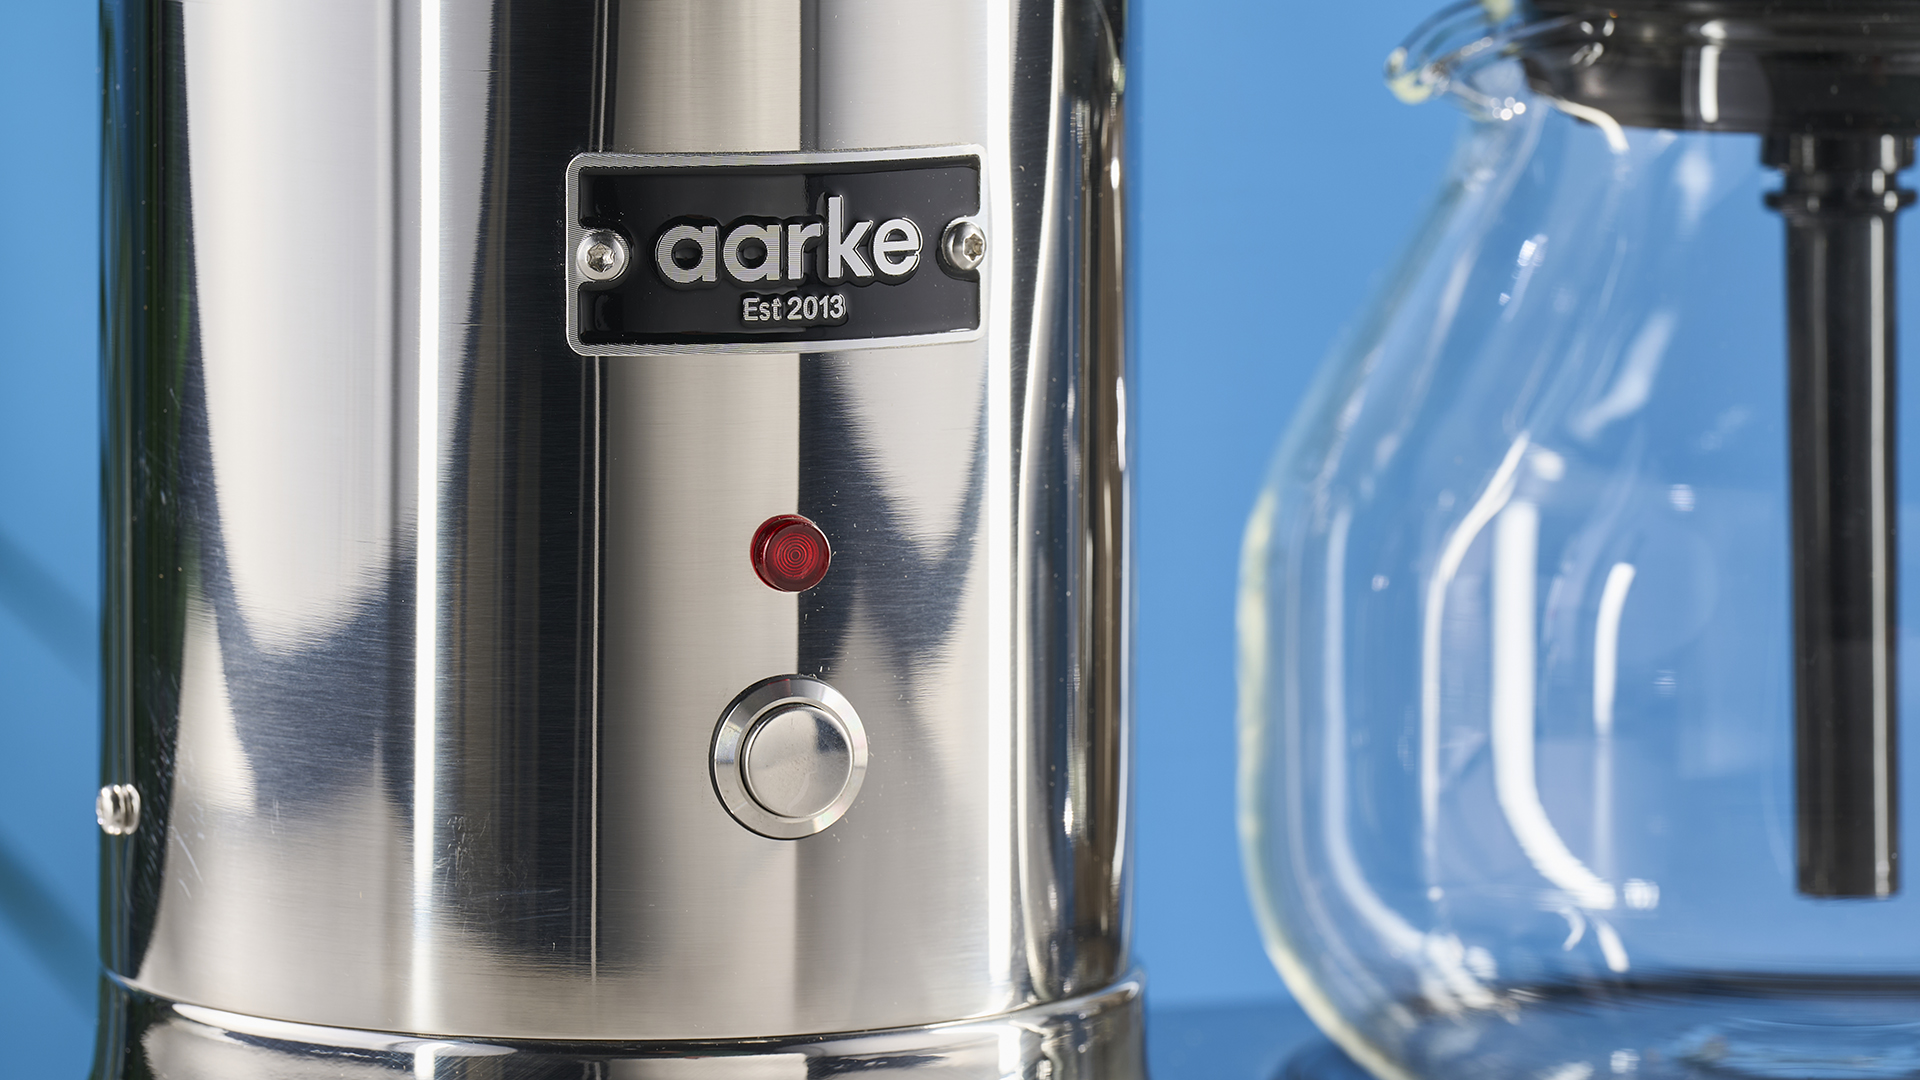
(789, 757)
(1094, 1036)
(419, 622)
(117, 809)
(798, 761)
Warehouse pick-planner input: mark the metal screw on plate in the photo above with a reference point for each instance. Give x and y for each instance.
(117, 809)
(964, 245)
(602, 255)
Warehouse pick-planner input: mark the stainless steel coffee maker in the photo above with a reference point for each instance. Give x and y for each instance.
(617, 540)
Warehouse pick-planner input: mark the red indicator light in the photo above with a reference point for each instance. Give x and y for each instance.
(790, 553)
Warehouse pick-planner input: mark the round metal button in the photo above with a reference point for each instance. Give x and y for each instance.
(788, 757)
(797, 761)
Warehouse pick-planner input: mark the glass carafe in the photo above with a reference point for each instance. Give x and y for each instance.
(1571, 626)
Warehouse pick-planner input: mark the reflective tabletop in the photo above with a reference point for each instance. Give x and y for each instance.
(1241, 1040)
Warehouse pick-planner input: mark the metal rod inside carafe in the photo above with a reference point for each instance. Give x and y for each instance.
(1839, 201)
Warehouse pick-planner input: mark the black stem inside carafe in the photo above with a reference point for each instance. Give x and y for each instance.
(1839, 202)
(1833, 89)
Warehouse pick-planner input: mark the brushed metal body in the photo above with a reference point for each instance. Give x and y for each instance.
(419, 624)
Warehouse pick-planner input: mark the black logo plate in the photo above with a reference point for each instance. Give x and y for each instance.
(773, 252)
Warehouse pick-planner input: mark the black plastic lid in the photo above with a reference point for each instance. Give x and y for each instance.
(1766, 66)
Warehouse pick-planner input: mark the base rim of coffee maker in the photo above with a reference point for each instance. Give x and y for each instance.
(1098, 1034)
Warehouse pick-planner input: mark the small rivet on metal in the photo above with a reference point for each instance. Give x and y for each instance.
(964, 245)
(602, 255)
(117, 809)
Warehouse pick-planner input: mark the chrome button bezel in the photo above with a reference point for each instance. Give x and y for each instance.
(732, 737)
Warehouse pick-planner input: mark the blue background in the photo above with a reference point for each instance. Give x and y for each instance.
(1273, 178)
